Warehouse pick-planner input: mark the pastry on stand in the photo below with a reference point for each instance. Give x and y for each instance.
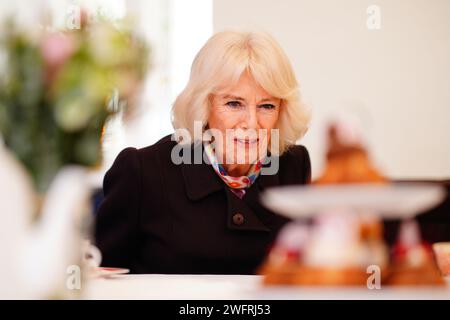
(413, 261)
(343, 241)
(347, 160)
(335, 250)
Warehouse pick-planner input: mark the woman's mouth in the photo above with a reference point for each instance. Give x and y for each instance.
(246, 142)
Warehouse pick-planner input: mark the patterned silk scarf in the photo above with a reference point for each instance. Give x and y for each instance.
(237, 184)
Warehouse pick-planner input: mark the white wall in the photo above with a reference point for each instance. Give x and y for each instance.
(396, 79)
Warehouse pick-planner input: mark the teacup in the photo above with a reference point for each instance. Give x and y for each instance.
(91, 255)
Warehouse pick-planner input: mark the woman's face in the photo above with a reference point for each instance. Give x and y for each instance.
(244, 114)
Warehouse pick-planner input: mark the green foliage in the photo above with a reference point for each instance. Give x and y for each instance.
(54, 92)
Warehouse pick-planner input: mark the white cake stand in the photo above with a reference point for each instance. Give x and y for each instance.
(389, 201)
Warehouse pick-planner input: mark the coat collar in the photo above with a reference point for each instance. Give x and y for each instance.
(201, 180)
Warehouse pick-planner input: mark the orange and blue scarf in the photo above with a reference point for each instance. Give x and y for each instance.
(237, 184)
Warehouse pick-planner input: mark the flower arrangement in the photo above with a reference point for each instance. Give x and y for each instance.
(55, 90)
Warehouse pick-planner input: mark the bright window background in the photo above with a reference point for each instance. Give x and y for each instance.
(176, 30)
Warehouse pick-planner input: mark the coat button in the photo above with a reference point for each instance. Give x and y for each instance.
(238, 219)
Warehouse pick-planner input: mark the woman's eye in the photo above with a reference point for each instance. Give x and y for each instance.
(233, 104)
(267, 106)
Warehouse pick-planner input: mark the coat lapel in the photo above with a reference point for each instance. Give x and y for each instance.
(201, 180)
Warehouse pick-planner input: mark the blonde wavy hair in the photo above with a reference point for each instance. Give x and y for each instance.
(221, 61)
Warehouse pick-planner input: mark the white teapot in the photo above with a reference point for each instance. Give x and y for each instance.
(35, 257)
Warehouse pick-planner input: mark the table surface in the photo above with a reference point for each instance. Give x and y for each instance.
(237, 287)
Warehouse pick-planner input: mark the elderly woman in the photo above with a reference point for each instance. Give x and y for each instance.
(167, 210)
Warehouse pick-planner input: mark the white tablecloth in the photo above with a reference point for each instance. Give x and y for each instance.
(212, 287)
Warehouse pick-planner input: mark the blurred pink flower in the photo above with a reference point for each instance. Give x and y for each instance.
(56, 49)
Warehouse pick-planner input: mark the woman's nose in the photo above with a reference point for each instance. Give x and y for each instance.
(251, 118)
